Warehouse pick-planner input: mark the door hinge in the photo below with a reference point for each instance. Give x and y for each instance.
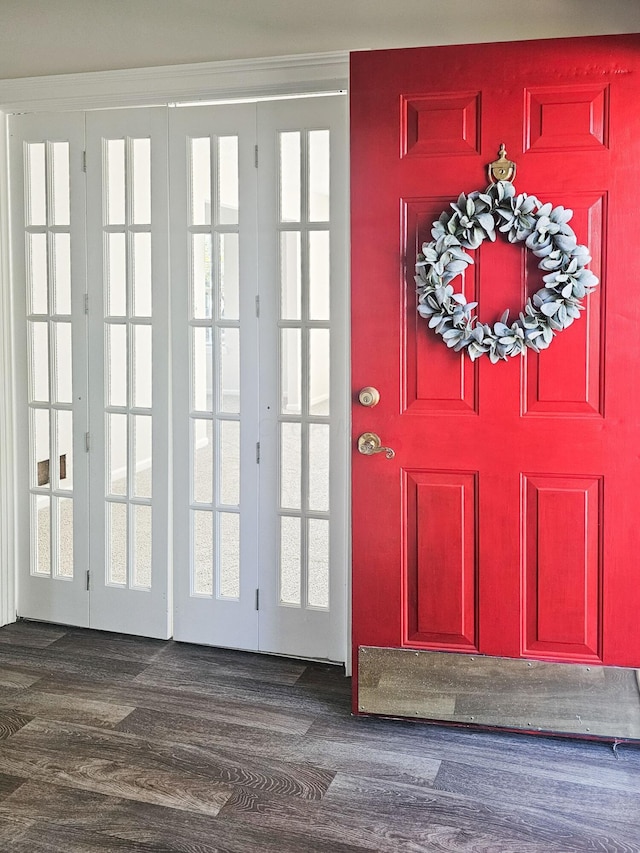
(255, 155)
(257, 599)
(86, 442)
(86, 303)
(257, 306)
(88, 579)
(258, 452)
(84, 161)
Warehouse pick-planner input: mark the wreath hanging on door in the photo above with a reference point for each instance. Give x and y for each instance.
(521, 218)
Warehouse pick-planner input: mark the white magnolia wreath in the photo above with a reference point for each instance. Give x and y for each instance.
(544, 230)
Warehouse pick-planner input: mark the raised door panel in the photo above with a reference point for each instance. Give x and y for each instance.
(435, 382)
(568, 378)
(567, 118)
(562, 574)
(441, 124)
(441, 559)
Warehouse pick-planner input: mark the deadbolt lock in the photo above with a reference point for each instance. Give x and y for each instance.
(369, 397)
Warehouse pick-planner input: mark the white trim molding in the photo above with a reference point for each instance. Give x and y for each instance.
(7, 473)
(168, 84)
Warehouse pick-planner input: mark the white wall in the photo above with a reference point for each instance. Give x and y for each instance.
(40, 37)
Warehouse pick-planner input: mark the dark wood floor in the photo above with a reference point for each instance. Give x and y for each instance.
(117, 743)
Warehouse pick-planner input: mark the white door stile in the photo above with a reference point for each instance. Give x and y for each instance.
(129, 584)
(203, 612)
(58, 594)
(290, 622)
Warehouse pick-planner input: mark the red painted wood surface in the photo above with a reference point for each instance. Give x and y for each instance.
(507, 523)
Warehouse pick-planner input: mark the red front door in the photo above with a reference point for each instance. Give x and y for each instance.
(507, 522)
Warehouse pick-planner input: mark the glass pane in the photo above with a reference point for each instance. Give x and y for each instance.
(319, 371)
(39, 361)
(290, 465)
(117, 454)
(62, 273)
(319, 275)
(319, 175)
(319, 467)
(229, 577)
(201, 296)
(142, 275)
(290, 560)
(65, 537)
(117, 543)
(64, 440)
(115, 182)
(229, 265)
(41, 534)
(116, 275)
(60, 162)
(117, 363)
(201, 181)
(202, 557)
(318, 589)
(229, 367)
(291, 371)
(142, 367)
(230, 462)
(141, 181)
(142, 546)
(40, 447)
(142, 434)
(36, 184)
(37, 273)
(62, 373)
(290, 188)
(228, 180)
(201, 394)
(202, 479)
(290, 276)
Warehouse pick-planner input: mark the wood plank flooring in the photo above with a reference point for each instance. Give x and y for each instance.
(115, 743)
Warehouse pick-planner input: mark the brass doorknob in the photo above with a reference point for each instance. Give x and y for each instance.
(369, 443)
(369, 397)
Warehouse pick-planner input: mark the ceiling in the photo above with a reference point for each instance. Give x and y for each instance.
(40, 37)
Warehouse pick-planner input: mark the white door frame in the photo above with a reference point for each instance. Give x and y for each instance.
(211, 81)
(7, 407)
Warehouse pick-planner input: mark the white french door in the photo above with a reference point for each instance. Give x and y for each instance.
(127, 184)
(304, 396)
(215, 374)
(49, 271)
(204, 420)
